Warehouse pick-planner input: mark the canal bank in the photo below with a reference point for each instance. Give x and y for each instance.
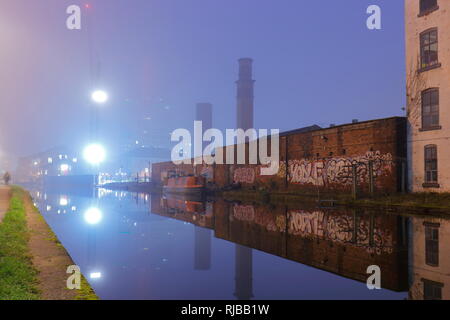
(33, 262)
(417, 203)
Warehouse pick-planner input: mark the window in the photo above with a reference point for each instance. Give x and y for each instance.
(432, 244)
(429, 49)
(431, 164)
(432, 290)
(430, 109)
(427, 6)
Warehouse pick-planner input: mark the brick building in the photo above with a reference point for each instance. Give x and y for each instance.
(428, 93)
(314, 159)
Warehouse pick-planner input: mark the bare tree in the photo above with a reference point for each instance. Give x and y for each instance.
(415, 84)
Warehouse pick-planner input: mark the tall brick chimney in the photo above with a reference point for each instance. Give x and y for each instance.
(204, 113)
(245, 89)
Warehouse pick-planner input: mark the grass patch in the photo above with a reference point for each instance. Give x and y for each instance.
(18, 278)
(86, 292)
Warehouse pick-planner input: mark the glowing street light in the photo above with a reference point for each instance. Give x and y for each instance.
(94, 154)
(96, 275)
(99, 96)
(93, 216)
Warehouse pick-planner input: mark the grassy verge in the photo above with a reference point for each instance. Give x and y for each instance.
(18, 278)
(85, 292)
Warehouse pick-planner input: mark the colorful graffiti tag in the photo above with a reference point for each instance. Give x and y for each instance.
(244, 175)
(341, 228)
(324, 172)
(335, 227)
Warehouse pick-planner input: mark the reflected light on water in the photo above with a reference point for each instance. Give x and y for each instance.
(63, 201)
(95, 275)
(93, 216)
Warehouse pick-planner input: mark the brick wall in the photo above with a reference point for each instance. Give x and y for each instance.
(320, 160)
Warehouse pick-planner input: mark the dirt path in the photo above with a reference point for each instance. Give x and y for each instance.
(49, 258)
(5, 196)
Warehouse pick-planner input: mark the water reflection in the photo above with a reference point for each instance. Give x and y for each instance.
(136, 246)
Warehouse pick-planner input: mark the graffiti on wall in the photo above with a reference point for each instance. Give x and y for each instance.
(341, 228)
(244, 175)
(244, 213)
(263, 217)
(323, 172)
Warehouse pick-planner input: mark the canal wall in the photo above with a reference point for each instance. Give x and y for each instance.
(318, 160)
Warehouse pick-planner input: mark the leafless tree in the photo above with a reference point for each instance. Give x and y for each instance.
(415, 84)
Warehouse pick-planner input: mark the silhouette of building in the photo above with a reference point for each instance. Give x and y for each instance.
(245, 94)
(202, 253)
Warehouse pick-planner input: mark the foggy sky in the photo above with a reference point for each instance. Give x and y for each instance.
(315, 62)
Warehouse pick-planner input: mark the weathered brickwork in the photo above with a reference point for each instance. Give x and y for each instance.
(320, 160)
(343, 241)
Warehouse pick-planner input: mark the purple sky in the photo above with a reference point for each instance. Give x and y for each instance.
(315, 63)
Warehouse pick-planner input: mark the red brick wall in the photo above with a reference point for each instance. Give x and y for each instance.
(321, 160)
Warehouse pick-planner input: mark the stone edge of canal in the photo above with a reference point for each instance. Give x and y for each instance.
(48, 258)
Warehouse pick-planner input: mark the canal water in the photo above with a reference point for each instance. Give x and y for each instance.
(139, 246)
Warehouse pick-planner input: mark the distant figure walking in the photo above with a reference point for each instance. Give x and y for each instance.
(6, 178)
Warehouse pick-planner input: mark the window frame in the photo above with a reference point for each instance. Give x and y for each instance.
(428, 10)
(430, 114)
(428, 161)
(433, 287)
(431, 244)
(422, 45)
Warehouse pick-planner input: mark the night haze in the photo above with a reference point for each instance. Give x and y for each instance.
(310, 58)
(215, 152)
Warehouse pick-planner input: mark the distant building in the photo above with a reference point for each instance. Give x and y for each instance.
(140, 159)
(428, 94)
(59, 161)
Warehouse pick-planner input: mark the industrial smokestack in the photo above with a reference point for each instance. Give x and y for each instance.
(245, 89)
(203, 113)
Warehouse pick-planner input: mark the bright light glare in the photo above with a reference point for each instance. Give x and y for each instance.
(99, 96)
(63, 201)
(64, 167)
(94, 154)
(96, 275)
(93, 216)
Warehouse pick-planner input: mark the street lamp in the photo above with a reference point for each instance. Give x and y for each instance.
(94, 154)
(99, 96)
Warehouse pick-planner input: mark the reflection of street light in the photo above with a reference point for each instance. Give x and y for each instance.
(63, 201)
(94, 154)
(93, 216)
(99, 96)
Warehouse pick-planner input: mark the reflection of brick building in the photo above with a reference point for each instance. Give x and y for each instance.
(342, 241)
(314, 159)
(429, 277)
